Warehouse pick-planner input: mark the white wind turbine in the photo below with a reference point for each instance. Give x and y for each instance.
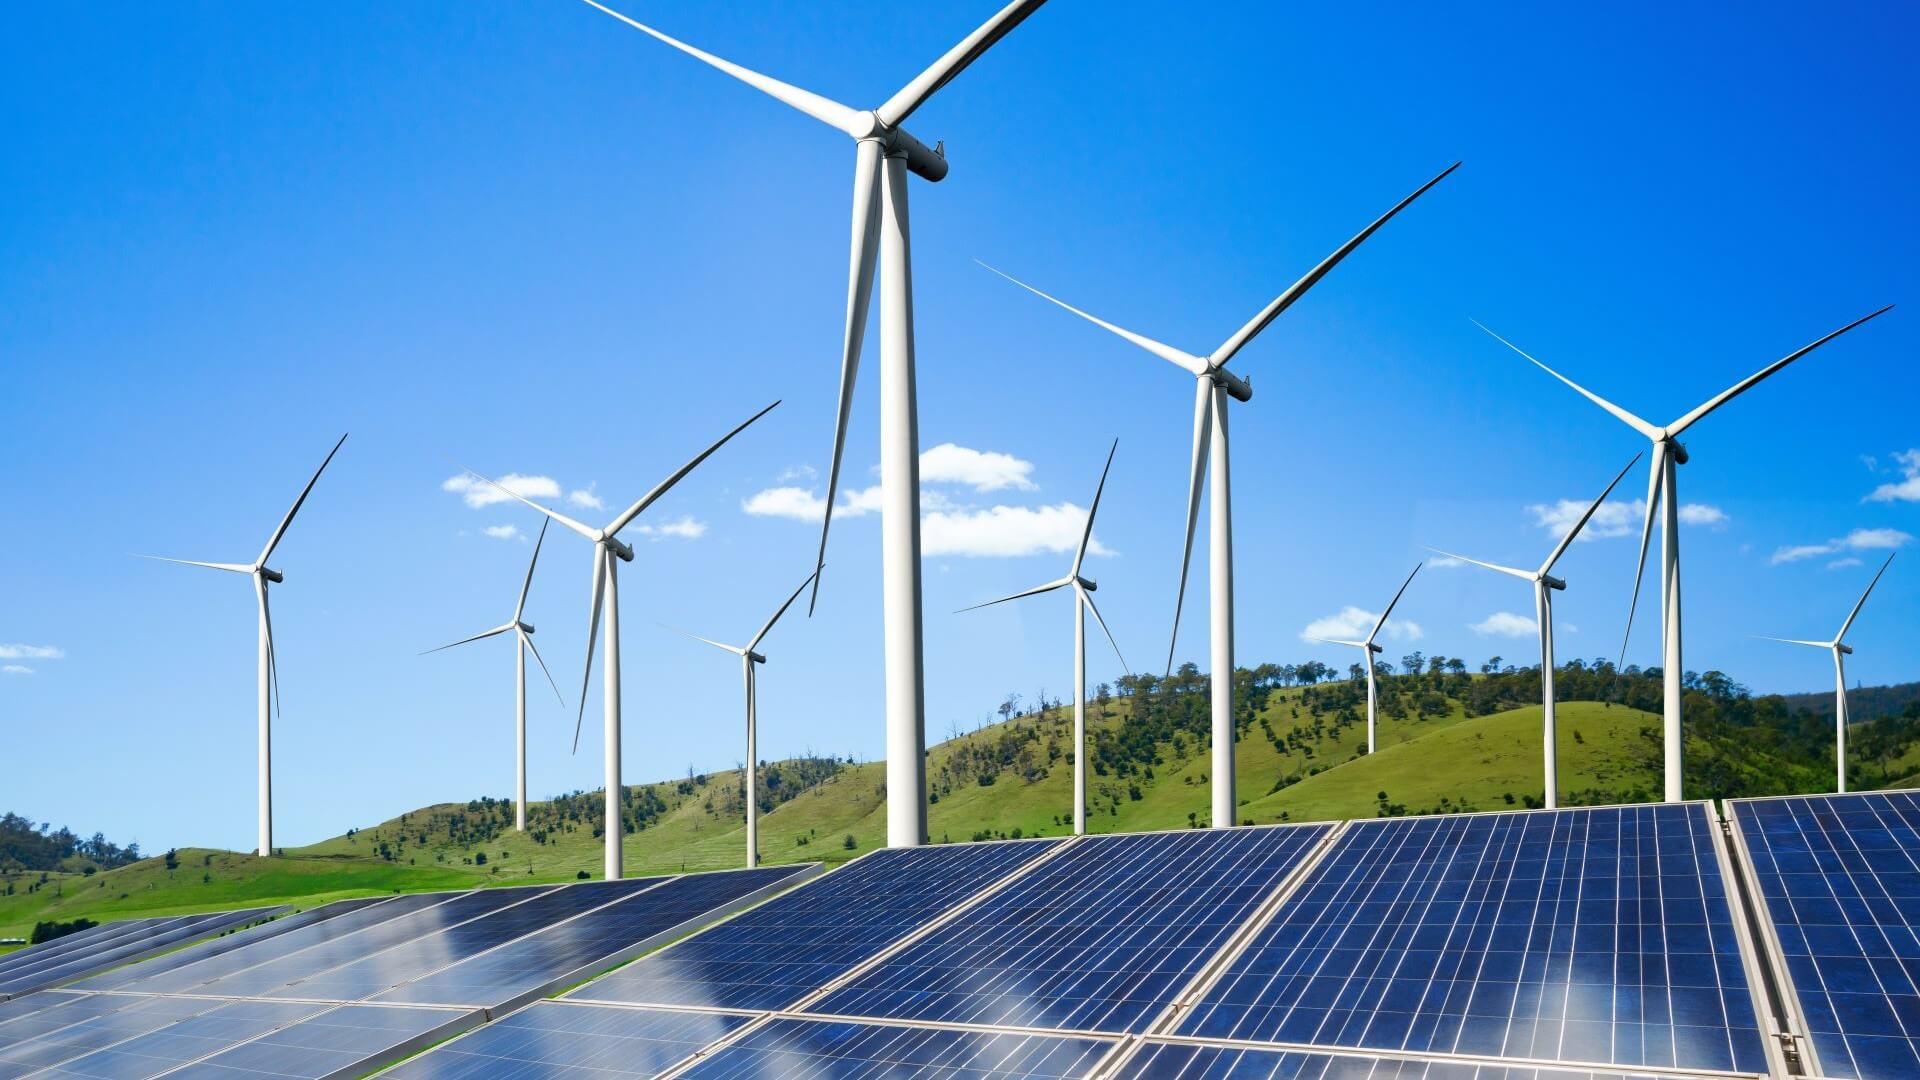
(749, 656)
(523, 641)
(1367, 649)
(1663, 492)
(1544, 584)
(269, 684)
(883, 157)
(1083, 589)
(1840, 651)
(1213, 385)
(607, 546)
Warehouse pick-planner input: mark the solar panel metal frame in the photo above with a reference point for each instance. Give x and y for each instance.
(1147, 1044)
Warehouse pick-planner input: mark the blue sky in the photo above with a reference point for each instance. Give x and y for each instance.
(528, 239)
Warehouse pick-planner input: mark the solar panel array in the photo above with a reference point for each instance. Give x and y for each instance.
(298, 1001)
(76, 956)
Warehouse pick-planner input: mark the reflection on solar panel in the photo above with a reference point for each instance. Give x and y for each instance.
(772, 956)
(220, 946)
(129, 1017)
(346, 1040)
(90, 938)
(1589, 935)
(563, 1041)
(582, 946)
(103, 952)
(187, 1040)
(1099, 939)
(826, 1050)
(1840, 888)
(24, 1018)
(1185, 1061)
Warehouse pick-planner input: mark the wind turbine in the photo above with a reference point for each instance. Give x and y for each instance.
(1840, 651)
(1213, 385)
(1544, 584)
(1663, 491)
(884, 155)
(749, 656)
(1367, 649)
(269, 695)
(607, 546)
(523, 641)
(1083, 589)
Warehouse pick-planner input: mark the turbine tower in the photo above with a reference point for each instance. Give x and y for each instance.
(1840, 651)
(1213, 385)
(884, 154)
(269, 684)
(749, 656)
(607, 547)
(1663, 491)
(1083, 589)
(1544, 584)
(523, 641)
(1367, 649)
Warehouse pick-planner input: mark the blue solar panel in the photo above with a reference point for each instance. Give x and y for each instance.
(102, 954)
(563, 1041)
(831, 1050)
(36, 1014)
(1840, 887)
(1601, 936)
(1185, 1061)
(184, 1041)
(348, 1040)
(92, 937)
(579, 947)
(220, 946)
(129, 1018)
(1101, 938)
(772, 956)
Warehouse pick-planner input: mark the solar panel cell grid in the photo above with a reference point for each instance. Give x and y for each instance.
(223, 945)
(186, 1040)
(776, 954)
(555, 1041)
(1168, 1061)
(125, 949)
(1599, 935)
(834, 1050)
(1101, 938)
(134, 1017)
(1840, 885)
(352, 1039)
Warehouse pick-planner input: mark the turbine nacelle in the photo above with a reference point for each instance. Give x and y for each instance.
(1676, 449)
(1843, 648)
(618, 547)
(926, 162)
(1552, 582)
(271, 575)
(1088, 584)
(1236, 387)
(525, 627)
(755, 657)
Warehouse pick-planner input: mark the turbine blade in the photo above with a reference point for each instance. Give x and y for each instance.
(941, 72)
(1524, 575)
(666, 485)
(1382, 621)
(1338, 641)
(593, 632)
(1299, 288)
(1746, 384)
(866, 225)
(1086, 535)
(1797, 641)
(755, 643)
(1619, 413)
(1855, 613)
(274, 541)
(535, 650)
(1168, 353)
(1646, 537)
(734, 649)
(477, 637)
(825, 110)
(1035, 591)
(273, 660)
(236, 568)
(1566, 540)
(1088, 598)
(584, 530)
(1202, 433)
(521, 607)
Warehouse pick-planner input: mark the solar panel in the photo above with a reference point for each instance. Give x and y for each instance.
(184, 1041)
(36, 1014)
(125, 949)
(90, 938)
(582, 946)
(831, 1049)
(1838, 886)
(220, 946)
(347, 1040)
(129, 1018)
(772, 956)
(1101, 938)
(564, 1041)
(1187, 1061)
(1602, 936)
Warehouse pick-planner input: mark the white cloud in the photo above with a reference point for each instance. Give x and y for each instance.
(682, 528)
(1006, 531)
(1506, 624)
(981, 470)
(478, 493)
(15, 669)
(1857, 540)
(797, 472)
(31, 652)
(1614, 518)
(585, 498)
(502, 532)
(795, 503)
(1908, 489)
(1842, 564)
(1352, 623)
